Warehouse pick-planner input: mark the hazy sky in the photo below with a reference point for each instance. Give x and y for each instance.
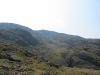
(77, 17)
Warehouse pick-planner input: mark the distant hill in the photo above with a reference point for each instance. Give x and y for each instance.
(56, 48)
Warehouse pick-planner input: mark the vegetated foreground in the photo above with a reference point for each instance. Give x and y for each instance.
(16, 61)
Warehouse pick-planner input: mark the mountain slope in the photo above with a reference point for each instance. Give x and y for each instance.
(69, 50)
(57, 48)
(15, 33)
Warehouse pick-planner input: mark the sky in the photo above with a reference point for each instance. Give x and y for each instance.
(75, 17)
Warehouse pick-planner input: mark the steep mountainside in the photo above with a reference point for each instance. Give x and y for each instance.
(56, 48)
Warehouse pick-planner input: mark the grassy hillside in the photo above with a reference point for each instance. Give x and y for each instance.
(16, 61)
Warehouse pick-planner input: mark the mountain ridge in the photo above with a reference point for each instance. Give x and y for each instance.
(58, 49)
